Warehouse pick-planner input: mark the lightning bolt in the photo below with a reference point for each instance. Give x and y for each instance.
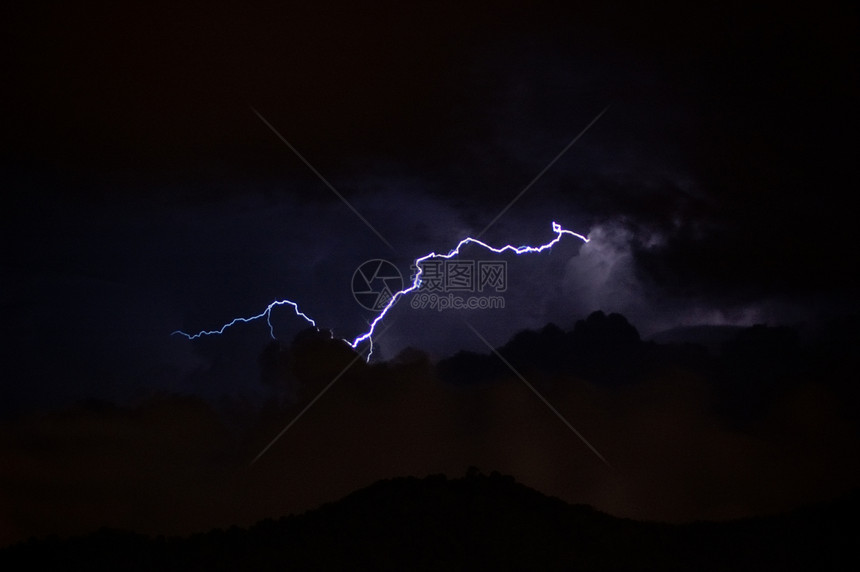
(416, 284)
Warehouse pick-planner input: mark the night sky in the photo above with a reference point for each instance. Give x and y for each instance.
(147, 189)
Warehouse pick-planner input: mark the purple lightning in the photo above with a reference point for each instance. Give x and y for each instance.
(416, 283)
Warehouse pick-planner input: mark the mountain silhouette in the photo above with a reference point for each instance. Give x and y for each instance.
(487, 522)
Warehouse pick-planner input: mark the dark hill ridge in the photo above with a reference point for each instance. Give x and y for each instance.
(474, 523)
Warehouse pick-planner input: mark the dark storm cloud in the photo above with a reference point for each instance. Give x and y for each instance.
(722, 139)
(136, 160)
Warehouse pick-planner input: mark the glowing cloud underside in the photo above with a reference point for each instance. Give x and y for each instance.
(416, 283)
